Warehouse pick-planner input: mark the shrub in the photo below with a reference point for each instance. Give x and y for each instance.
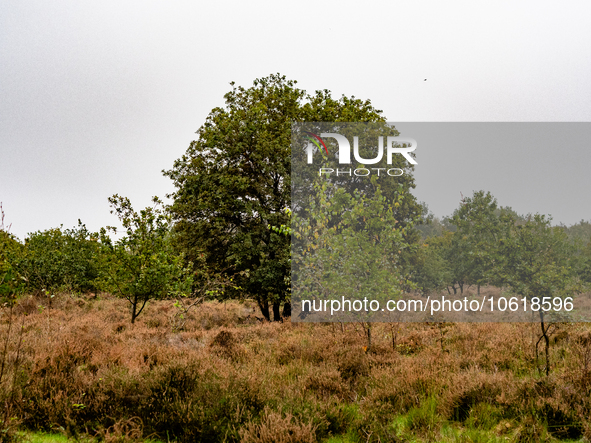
(60, 260)
(277, 428)
(142, 265)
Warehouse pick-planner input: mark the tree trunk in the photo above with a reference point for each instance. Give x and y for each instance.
(546, 341)
(264, 306)
(394, 336)
(478, 289)
(276, 311)
(134, 309)
(287, 309)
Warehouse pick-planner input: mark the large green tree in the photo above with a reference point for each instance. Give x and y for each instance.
(233, 184)
(433, 271)
(476, 237)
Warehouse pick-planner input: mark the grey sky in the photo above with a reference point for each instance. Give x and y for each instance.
(97, 98)
(532, 167)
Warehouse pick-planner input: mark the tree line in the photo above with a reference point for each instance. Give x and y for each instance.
(483, 243)
(219, 237)
(227, 232)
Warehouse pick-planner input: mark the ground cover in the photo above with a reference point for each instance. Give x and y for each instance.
(81, 370)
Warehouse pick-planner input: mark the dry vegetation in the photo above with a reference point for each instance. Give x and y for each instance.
(82, 369)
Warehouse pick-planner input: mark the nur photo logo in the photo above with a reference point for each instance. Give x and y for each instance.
(393, 146)
(372, 147)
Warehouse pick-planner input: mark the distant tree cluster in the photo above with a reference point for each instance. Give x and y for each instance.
(140, 266)
(482, 243)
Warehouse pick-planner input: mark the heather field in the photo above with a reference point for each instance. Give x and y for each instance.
(75, 366)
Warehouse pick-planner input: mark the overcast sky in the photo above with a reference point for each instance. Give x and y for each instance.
(97, 98)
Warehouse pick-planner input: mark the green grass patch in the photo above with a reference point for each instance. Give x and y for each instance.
(42, 437)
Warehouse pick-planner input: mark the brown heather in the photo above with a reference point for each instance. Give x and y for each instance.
(82, 368)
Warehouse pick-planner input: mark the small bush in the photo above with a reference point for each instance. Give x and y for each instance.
(278, 428)
(424, 420)
(124, 431)
(484, 416)
(531, 430)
